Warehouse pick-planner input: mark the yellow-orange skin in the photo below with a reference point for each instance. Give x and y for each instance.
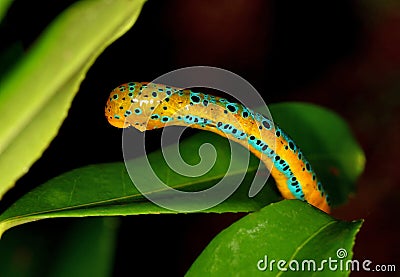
(179, 105)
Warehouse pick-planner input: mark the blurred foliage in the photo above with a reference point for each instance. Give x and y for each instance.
(52, 70)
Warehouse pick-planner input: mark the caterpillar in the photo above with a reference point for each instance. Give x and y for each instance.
(147, 106)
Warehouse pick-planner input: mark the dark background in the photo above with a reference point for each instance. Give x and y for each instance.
(344, 55)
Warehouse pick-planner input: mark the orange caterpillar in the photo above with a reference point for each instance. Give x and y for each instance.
(150, 106)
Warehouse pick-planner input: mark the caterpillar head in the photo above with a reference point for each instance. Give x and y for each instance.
(130, 104)
(118, 106)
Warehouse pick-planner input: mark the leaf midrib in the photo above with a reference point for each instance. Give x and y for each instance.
(303, 244)
(99, 203)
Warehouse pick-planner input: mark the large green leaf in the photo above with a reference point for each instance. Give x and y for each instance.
(106, 189)
(35, 96)
(289, 231)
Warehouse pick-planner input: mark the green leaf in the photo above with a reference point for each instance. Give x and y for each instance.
(4, 4)
(289, 230)
(36, 94)
(327, 142)
(106, 189)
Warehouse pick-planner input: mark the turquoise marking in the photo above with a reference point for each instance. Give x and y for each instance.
(231, 130)
(213, 99)
(127, 113)
(293, 184)
(266, 123)
(246, 112)
(295, 188)
(259, 117)
(232, 107)
(166, 119)
(192, 119)
(138, 111)
(195, 97)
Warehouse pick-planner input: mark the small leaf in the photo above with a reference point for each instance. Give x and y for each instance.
(289, 230)
(36, 94)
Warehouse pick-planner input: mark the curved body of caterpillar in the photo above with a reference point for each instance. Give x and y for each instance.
(147, 106)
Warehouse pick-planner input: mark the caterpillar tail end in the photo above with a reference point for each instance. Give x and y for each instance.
(322, 205)
(325, 207)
